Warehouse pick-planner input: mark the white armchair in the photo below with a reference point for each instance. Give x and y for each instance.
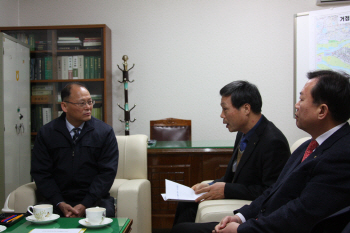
(131, 188)
(298, 143)
(215, 210)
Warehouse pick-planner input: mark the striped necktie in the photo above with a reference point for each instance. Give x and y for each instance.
(76, 133)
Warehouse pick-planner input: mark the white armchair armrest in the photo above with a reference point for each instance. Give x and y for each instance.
(134, 202)
(215, 210)
(6, 208)
(115, 187)
(19, 200)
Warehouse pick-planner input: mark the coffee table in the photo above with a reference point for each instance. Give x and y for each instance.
(119, 225)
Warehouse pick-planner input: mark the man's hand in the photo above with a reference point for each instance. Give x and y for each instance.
(199, 186)
(214, 192)
(229, 224)
(81, 211)
(67, 210)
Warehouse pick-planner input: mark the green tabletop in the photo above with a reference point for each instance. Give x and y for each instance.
(23, 226)
(192, 144)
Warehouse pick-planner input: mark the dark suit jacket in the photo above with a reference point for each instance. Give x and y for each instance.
(334, 223)
(346, 229)
(263, 159)
(306, 192)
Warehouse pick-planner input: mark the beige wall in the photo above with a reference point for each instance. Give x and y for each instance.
(184, 51)
(9, 12)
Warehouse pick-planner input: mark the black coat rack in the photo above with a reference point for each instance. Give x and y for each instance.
(126, 104)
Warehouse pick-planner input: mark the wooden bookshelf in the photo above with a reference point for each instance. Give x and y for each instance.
(47, 44)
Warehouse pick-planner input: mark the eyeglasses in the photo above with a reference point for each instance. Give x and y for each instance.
(82, 104)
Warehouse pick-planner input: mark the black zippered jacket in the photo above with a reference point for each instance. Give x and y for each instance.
(77, 173)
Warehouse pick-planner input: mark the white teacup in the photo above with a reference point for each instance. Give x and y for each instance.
(41, 212)
(95, 215)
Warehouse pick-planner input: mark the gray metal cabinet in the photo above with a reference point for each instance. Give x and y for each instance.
(14, 115)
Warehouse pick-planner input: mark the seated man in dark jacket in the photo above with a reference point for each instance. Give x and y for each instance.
(260, 151)
(75, 157)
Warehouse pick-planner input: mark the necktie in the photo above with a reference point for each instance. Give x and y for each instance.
(239, 155)
(243, 144)
(76, 133)
(312, 146)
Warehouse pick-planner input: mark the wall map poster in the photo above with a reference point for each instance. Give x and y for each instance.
(330, 39)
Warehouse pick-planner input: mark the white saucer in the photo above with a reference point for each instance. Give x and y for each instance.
(32, 219)
(2, 228)
(105, 222)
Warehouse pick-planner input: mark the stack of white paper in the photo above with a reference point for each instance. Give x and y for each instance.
(178, 192)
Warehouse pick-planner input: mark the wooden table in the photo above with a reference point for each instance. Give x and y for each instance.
(185, 162)
(119, 225)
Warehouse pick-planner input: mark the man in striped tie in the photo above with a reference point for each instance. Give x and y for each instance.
(75, 157)
(315, 182)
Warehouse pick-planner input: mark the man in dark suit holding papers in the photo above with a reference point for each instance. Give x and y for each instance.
(315, 183)
(260, 151)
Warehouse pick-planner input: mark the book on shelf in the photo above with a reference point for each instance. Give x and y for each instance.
(86, 67)
(92, 39)
(68, 47)
(37, 71)
(41, 99)
(21, 37)
(96, 65)
(92, 47)
(75, 67)
(92, 67)
(47, 115)
(59, 67)
(32, 42)
(96, 97)
(69, 42)
(91, 43)
(37, 117)
(97, 113)
(32, 68)
(98, 68)
(42, 68)
(69, 38)
(43, 45)
(80, 66)
(48, 68)
(70, 67)
(39, 92)
(42, 87)
(64, 67)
